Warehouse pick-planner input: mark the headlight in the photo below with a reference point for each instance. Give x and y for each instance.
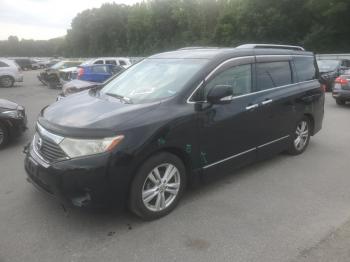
(13, 114)
(84, 147)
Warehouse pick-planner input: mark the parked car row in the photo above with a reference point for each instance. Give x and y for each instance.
(330, 69)
(95, 70)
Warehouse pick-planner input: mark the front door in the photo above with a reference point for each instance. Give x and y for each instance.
(228, 131)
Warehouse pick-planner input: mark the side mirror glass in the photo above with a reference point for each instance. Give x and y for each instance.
(220, 94)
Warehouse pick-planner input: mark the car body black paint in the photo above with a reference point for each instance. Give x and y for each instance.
(15, 125)
(208, 138)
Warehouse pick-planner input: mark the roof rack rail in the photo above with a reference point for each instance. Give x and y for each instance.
(196, 47)
(291, 47)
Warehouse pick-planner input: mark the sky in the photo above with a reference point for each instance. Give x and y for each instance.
(43, 19)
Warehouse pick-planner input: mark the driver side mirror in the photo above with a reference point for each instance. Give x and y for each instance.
(220, 94)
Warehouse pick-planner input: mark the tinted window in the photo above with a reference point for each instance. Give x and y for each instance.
(2, 64)
(98, 62)
(273, 74)
(111, 62)
(122, 63)
(305, 68)
(238, 77)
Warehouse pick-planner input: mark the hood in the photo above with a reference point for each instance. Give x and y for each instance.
(77, 85)
(91, 114)
(69, 69)
(6, 104)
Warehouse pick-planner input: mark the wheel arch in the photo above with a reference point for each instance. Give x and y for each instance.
(312, 122)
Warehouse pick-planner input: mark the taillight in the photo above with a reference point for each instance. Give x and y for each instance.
(342, 81)
(323, 88)
(80, 72)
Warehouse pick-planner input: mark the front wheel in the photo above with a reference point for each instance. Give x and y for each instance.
(6, 81)
(340, 102)
(157, 186)
(301, 137)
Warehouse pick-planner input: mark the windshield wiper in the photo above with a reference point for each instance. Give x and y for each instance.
(127, 100)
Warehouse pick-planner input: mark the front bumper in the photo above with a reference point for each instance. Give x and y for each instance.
(17, 126)
(81, 182)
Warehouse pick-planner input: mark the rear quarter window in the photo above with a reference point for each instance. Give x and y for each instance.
(305, 68)
(273, 74)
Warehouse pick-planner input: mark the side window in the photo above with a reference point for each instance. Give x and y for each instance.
(122, 62)
(305, 68)
(99, 62)
(2, 64)
(100, 69)
(238, 77)
(273, 74)
(111, 62)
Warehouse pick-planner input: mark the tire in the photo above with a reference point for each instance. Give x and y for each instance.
(7, 81)
(53, 82)
(150, 196)
(300, 137)
(4, 135)
(340, 102)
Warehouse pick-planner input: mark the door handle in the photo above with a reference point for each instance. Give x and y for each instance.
(252, 107)
(265, 102)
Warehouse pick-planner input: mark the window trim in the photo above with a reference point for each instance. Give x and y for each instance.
(188, 100)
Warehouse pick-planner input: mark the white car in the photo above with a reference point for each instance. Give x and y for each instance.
(120, 61)
(10, 73)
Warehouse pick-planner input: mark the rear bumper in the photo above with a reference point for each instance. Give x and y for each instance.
(341, 94)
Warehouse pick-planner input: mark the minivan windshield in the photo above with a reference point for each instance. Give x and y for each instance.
(153, 79)
(327, 65)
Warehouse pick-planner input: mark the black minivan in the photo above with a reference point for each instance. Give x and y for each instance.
(173, 118)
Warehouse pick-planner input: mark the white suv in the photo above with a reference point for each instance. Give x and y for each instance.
(10, 73)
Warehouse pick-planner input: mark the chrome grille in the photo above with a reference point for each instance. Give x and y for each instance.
(48, 149)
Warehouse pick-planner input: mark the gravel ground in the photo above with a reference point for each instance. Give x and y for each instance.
(283, 209)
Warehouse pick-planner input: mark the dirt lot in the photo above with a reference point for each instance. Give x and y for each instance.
(284, 209)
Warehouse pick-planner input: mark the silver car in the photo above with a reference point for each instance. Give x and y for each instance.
(10, 73)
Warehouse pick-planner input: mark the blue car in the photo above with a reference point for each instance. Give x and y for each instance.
(97, 73)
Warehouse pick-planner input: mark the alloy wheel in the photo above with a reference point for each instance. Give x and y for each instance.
(161, 187)
(302, 135)
(6, 82)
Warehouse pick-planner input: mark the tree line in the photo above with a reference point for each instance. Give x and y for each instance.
(159, 25)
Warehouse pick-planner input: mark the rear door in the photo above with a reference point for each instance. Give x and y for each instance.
(276, 86)
(100, 73)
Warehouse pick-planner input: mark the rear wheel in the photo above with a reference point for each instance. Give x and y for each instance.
(157, 186)
(6, 81)
(340, 102)
(301, 137)
(4, 135)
